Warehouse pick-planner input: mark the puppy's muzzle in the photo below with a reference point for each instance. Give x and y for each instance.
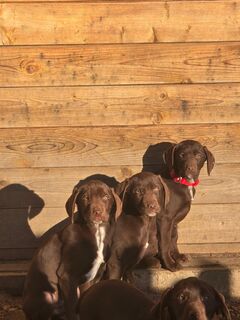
(151, 209)
(191, 171)
(97, 215)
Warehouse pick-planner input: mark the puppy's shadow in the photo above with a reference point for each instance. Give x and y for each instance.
(109, 181)
(219, 276)
(18, 205)
(153, 159)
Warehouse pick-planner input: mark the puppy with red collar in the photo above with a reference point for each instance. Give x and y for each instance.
(184, 162)
(179, 165)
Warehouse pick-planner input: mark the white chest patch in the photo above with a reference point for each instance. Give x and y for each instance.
(190, 188)
(100, 236)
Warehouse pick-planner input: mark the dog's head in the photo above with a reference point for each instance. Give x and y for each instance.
(187, 158)
(192, 299)
(144, 194)
(95, 201)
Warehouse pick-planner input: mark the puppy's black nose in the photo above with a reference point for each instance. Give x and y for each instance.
(97, 211)
(151, 205)
(193, 316)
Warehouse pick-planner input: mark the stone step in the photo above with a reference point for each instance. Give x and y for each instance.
(221, 270)
(12, 276)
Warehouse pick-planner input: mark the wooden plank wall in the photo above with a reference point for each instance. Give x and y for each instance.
(87, 86)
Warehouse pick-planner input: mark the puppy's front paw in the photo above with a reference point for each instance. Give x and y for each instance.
(183, 257)
(180, 257)
(172, 265)
(149, 262)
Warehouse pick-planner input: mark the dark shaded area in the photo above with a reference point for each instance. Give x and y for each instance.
(17, 205)
(153, 159)
(56, 228)
(219, 278)
(18, 196)
(109, 181)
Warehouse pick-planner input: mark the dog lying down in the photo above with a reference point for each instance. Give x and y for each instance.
(189, 299)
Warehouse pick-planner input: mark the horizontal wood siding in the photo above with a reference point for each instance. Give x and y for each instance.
(87, 86)
(212, 217)
(54, 185)
(119, 64)
(106, 146)
(119, 22)
(119, 105)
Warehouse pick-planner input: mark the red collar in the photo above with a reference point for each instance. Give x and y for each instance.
(183, 180)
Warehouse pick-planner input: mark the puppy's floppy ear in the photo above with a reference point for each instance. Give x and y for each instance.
(222, 311)
(117, 204)
(168, 156)
(166, 191)
(210, 160)
(161, 310)
(71, 203)
(120, 188)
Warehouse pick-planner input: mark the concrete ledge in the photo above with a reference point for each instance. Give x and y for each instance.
(221, 271)
(12, 276)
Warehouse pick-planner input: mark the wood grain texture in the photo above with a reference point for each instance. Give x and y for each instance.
(119, 64)
(107, 146)
(101, 1)
(208, 248)
(214, 225)
(118, 22)
(119, 105)
(50, 187)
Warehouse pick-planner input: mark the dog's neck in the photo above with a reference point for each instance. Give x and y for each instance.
(181, 180)
(190, 184)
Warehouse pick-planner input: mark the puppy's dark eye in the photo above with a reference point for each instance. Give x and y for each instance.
(137, 191)
(106, 197)
(204, 298)
(182, 297)
(85, 197)
(181, 155)
(197, 155)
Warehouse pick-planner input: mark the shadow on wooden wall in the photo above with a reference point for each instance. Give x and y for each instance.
(109, 181)
(18, 205)
(153, 159)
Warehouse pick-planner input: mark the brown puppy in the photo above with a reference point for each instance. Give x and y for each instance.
(189, 299)
(144, 195)
(162, 236)
(71, 257)
(114, 300)
(185, 160)
(192, 299)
